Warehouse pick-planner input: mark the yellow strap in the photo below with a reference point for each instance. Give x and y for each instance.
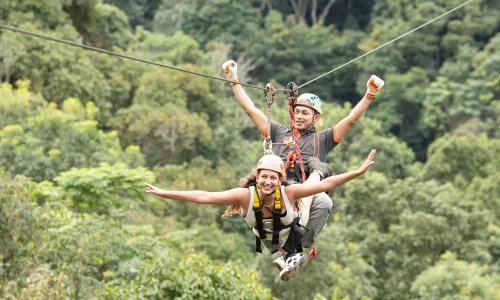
(277, 199)
(256, 200)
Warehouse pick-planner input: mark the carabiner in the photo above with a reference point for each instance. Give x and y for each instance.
(267, 145)
(270, 88)
(293, 92)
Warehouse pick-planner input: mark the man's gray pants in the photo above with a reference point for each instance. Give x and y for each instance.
(315, 215)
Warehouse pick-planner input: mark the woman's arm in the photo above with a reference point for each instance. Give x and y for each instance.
(297, 191)
(230, 197)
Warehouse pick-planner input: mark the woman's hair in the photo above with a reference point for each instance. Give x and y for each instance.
(246, 182)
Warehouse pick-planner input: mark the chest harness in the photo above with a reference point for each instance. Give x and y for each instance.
(296, 232)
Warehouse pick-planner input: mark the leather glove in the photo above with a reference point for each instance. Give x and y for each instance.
(230, 70)
(374, 85)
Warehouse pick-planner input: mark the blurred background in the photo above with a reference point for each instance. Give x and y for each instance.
(80, 132)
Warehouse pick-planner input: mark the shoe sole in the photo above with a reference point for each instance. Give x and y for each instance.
(278, 266)
(291, 273)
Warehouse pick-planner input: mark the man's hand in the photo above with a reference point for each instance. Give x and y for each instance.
(367, 164)
(230, 70)
(374, 85)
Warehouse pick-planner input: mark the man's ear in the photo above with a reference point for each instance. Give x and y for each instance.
(316, 117)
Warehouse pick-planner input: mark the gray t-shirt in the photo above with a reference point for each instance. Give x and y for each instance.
(311, 143)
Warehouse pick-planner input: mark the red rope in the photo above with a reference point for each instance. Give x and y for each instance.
(295, 154)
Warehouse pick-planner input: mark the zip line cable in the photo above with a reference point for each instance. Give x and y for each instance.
(389, 42)
(214, 77)
(119, 55)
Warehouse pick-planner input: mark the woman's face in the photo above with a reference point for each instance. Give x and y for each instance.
(268, 180)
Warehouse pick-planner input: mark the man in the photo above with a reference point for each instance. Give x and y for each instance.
(313, 145)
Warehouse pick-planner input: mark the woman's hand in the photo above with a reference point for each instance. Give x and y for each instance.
(153, 189)
(368, 163)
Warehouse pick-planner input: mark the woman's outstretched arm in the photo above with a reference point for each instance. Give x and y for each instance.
(297, 191)
(230, 197)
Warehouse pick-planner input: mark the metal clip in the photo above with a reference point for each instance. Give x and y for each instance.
(270, 88)
(293, 92)
(268, 146)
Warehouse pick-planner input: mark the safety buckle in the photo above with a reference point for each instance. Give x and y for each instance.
(270, 88)
(293, 92)
(267, 145)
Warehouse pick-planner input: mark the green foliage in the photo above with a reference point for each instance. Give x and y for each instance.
(368, 134)
(93, 121)
(110, 29)
(177, 48)
(10, 50)
(223, 246)
(452, 157)
(167, 274)
(55, 140)
(456, 279)
(48, 14)
(198, 174)
(48, 251)
(219, 20)
(298, 53)
(139, 12)
(18, 104)
(100, 189)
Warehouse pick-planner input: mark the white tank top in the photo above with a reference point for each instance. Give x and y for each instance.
(268, 223)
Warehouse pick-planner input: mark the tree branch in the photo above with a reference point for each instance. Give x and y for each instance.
(314, 13)
(325, 12)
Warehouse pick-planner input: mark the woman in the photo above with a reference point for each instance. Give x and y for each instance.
(260, 201)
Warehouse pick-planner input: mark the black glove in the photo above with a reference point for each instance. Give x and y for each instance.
(322, 168)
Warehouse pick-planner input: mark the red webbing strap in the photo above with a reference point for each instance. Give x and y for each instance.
(295, 154)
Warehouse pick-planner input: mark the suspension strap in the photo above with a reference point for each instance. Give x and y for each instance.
(258, 214)
(268, 144)
(259, 218)
(295, 154)
(277, 216)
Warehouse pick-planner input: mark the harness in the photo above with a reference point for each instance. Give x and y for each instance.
(294, 155)
(293, 241)
(297, 231)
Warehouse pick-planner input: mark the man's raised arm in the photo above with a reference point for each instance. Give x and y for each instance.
(374, 85)
(257, 116)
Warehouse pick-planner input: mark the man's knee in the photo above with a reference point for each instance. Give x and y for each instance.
(316, 222)
(322, 200)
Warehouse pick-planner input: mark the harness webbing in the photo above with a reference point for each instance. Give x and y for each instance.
(268, 143)
(276, 211)
(258, 214)
(295, 153)
(277, 216)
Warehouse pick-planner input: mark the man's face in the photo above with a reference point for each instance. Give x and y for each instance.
(268, 181)
(304, 117)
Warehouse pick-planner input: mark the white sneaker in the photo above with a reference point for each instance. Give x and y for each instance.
(294, 263)
(279, 263)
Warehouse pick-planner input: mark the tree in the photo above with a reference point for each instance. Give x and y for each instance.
(452, 157)
(104, 188)
(18, 104)
(55, 140)
(10, 50)
(456, 279)
(217, 20)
